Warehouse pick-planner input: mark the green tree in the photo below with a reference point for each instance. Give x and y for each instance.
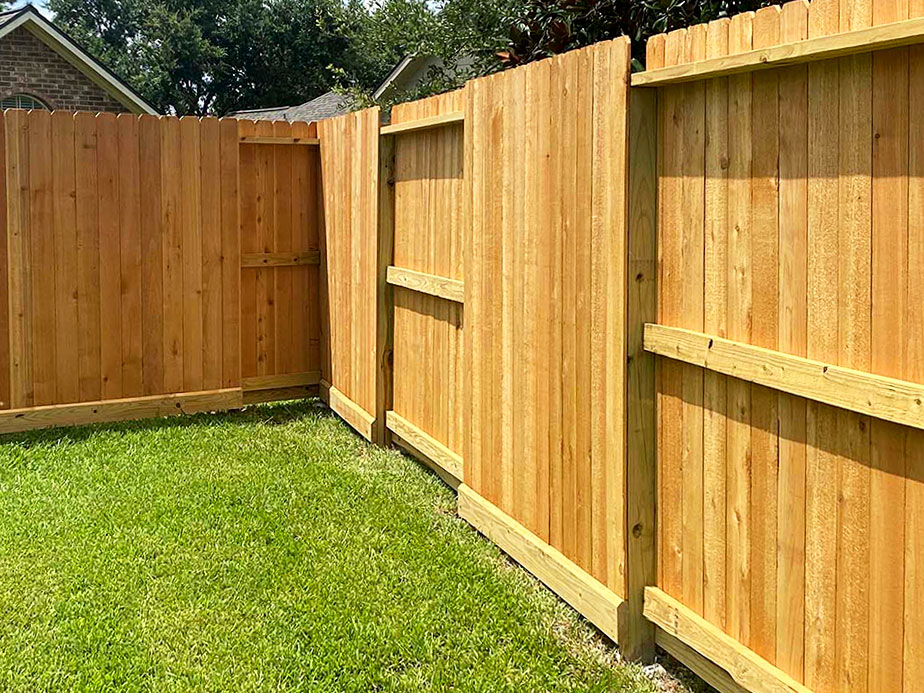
(540, 28)
(214, 56)
(466, 35)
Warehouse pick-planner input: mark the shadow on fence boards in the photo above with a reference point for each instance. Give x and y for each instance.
(662, 331)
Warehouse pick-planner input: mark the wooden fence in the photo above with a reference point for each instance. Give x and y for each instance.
(281, 225)
(790, 219)
(485, 282)
(775, 154)
(353, 352)
(546, 303)
(122, 266)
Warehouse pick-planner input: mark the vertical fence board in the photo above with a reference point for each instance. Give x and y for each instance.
(821, 461)
(889, 285)
(67, 371)
(854, 280)
(209, 214)
(152, 256)
(913, 369)
(5, 193)
(130, 251)
(764, 326)
(739, 452)
(88, 279)
(172, 190)
(714, 322)
(670, 390)
(41, 258)
(20, 267)
(231, 161)
(190, 219)
(110, 256)
(793, 241)
(692, 296)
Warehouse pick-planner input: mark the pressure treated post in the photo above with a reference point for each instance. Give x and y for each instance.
(636, 634)
(384, 300)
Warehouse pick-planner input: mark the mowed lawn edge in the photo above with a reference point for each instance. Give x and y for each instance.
(269, 549)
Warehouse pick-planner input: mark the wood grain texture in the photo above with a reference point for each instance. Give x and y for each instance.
(349, 159)
(748, 669)
(441, 287)
(122, 293)
(545, 290)
(809, 169)
(277, 253)
(125, 409)
(858, 391)
(428, 275)
(853, 39)
(426, 445)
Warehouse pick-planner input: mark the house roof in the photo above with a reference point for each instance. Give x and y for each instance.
(32, 21)
(325, 106)
(332, 104)
(403, 65)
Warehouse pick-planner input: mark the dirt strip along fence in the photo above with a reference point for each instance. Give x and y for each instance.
(122, 260)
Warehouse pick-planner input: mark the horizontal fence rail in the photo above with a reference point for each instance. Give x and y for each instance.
(442, 287)
(426, 123)
(885, 398)
(884, 37)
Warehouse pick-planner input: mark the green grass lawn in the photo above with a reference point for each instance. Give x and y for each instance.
(269, 549)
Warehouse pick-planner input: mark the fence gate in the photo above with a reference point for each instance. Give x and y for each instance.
(280, 260)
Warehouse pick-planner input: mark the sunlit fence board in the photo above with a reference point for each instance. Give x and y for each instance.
(793, 528)
(350, 173)
(547, 253)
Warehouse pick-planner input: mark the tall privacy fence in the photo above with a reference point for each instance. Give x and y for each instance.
(155, 265)
(662, 331)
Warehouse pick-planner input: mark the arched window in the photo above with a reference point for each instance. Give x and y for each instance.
(26, 101)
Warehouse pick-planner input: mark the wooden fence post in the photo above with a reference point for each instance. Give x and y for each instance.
(636, 633)
(384, 300)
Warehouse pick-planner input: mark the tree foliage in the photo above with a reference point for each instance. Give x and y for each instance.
(540, 28)
(465, 35)
(213, 56)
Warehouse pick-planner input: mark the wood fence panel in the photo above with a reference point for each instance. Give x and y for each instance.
(428, 234)
(545, 286)
(809, 243)
(116, 257)
(280, 312)
(349, 170)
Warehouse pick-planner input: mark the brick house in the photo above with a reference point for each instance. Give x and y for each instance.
(42, 67)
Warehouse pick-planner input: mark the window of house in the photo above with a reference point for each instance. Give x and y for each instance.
(23, 101)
